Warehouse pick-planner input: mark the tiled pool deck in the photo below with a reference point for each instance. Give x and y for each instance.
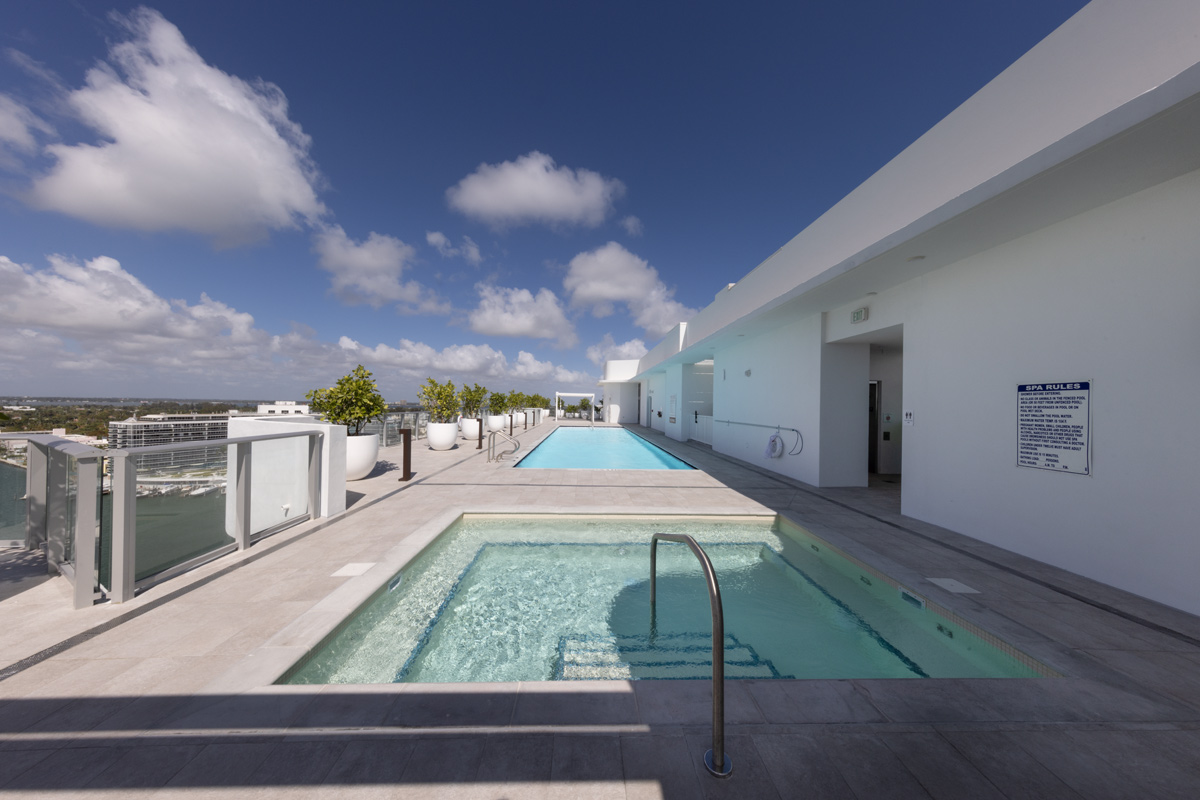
(159, 697)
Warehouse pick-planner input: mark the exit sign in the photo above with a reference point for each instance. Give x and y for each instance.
(859, 315)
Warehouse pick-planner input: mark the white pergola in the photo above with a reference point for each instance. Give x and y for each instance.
(590, 395)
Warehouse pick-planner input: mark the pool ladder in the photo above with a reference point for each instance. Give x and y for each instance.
(492, 454)
(716, 761)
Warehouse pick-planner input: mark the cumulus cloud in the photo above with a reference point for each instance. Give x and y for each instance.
(469, 361)
(180, 145)
(600, 279)
(529, 368)
(632, 225)
(370, 271)
(519, 312)
(469, 250)
(93, 319)
(608, 350)
(533, 189)
(19, 129)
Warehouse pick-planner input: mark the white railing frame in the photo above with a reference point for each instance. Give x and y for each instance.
(46, 505)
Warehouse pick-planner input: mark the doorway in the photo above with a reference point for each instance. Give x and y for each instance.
(873, 428)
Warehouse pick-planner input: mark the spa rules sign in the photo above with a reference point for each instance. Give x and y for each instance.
(1054, 426)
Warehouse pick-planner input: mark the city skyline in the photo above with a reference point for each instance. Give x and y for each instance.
(220, 199)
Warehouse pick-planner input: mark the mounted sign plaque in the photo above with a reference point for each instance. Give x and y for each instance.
(1054, 430)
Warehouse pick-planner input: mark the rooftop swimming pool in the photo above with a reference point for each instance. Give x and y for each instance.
(598, 448)
(537, 598)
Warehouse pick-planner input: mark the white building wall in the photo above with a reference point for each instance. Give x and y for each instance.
(783, 388)
(280, 468)
(1109, 296)
(624, 398)
(845, 371)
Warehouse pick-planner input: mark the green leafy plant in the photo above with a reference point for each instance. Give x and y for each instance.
(538, 401)
(440, 401)
(471, 399)
(498, 403)
(516, 401)
(353, 401)
(584, 404)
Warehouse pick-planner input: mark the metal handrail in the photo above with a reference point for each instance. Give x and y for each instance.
(492, 445)
(716, 761)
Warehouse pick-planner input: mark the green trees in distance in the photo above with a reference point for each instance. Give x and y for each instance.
(498, 403)
(584, 404)
(471, 399)
(440, 401)
(353, 401)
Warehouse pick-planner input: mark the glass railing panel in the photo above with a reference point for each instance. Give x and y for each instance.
(71, 496)
(104, 514)
(180, 507)
(279, 482)
(12, 497)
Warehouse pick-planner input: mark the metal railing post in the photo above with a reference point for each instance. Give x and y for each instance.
(242, 476)
(480, 445)
(36, 479)
(406, 440)
(124, 527)
(716, 761)
(56, 508)
(315, 444)
(87, 473)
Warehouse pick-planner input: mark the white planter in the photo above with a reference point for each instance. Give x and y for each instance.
(470, 428)
(361, 454)
(441, 435)
(497, 422)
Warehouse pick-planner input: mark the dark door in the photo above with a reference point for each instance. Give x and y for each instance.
(873, 428)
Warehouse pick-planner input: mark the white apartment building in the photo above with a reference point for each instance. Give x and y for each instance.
(154, 429)
(1005, 314)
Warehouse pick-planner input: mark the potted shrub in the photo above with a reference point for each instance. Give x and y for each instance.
(440, 401)
(353, 401)
(516, 406)
(497, 406)
(471, 399)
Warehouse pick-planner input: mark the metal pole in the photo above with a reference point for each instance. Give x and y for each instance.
(715, 760)
(480, 445)
(406, 441)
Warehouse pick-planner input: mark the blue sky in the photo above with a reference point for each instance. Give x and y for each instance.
(246, 199)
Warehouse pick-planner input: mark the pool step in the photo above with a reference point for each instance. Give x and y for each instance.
(676, 656)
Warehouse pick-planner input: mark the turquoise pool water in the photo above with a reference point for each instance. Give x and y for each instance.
(533, 599)
(598, 448)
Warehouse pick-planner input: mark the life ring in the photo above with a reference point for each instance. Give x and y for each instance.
(775, 446)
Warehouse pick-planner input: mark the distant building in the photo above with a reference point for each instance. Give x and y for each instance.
(156, 429)
(282, 407)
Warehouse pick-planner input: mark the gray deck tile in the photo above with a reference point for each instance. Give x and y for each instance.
(785, 702)
(444, 760)
(750, 777)
(870, 768)
(221, 764)
(67, 769)
(1009, 767)
(145, 767)
(576, 703)
(1110, 764)
(659, 767)
(347, 706)
(439, 705)
(1172, 674)
(294, 764)
(798, 767)
(943, 771)
(16, 762)
(589, 766)
(690, 702)
(513, 759)
(918, 700)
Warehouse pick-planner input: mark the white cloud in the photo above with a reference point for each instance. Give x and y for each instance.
(180, 145)
(601, 278)
(18, 130)
(632, 225)
(528, 368)
(519, 312)
(469, 250)
(533, 189)
(608, 350)
(370, 271)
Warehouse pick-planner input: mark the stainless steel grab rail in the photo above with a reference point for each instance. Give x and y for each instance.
(492, 456)
(716, 761)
